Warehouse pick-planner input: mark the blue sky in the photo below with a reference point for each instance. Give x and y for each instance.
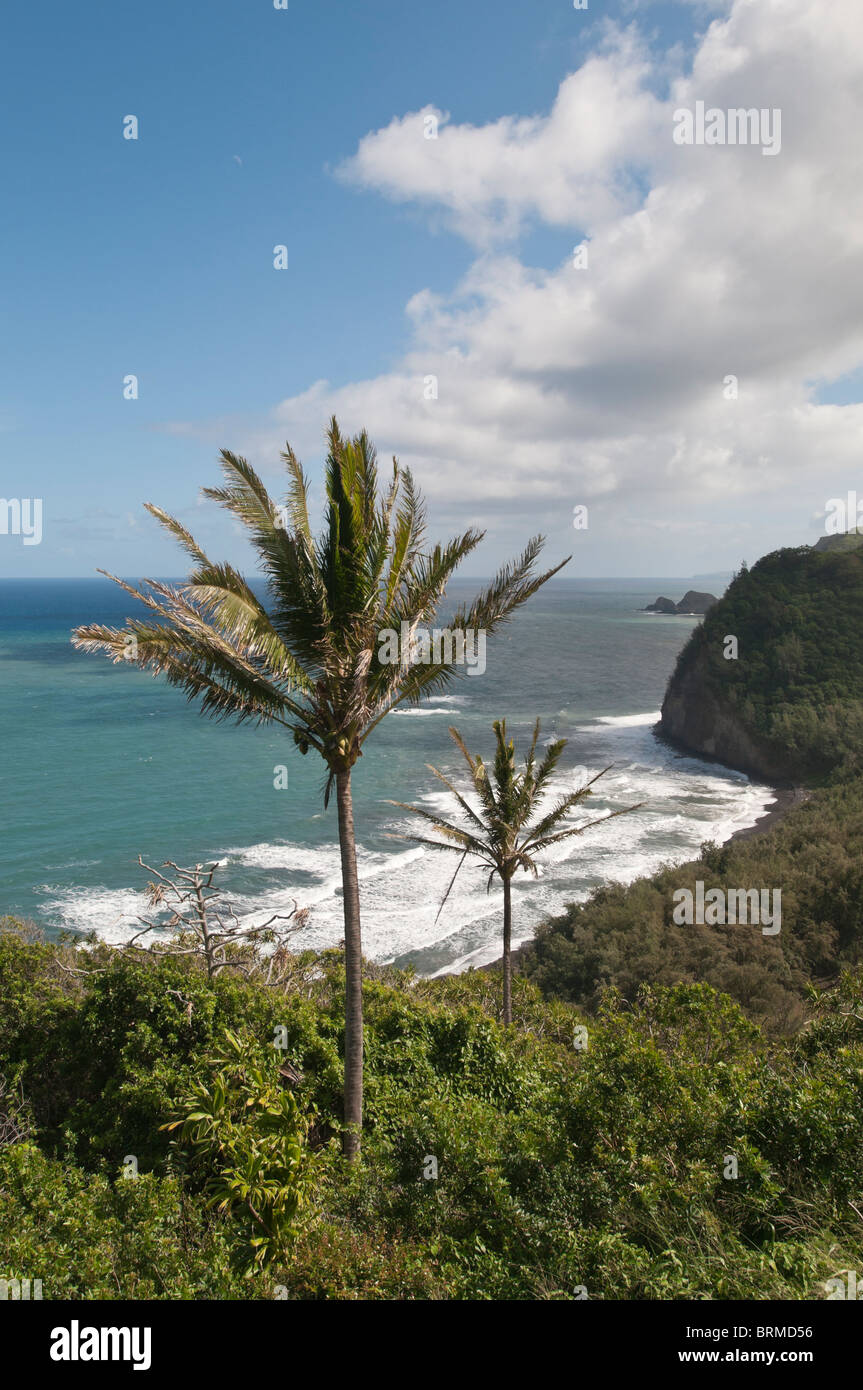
(154, 256)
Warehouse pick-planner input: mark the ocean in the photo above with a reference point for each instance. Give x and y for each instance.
(103, 763)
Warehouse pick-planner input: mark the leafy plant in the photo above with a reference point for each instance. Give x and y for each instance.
(247, 1131)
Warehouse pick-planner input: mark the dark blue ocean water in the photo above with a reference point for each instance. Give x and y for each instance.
(104, 762)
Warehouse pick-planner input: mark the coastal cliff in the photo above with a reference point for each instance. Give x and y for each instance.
(771, 682)
(699, 719)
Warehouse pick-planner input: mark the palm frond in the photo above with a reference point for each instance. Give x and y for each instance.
(179, 532)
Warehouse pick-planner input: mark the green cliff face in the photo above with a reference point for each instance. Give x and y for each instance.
(772, 680)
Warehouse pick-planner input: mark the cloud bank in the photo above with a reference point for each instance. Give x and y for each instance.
(666, 375)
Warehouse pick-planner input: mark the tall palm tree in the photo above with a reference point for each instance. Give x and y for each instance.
(504, 832)
(310, 659)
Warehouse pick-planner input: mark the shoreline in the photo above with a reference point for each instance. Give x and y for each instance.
(786, 799)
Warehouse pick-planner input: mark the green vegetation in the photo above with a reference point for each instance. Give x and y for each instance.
(624, 936)
(249, 1139)
(561, 1170)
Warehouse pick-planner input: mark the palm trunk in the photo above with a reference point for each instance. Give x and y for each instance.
(507, 952)
(353, 972)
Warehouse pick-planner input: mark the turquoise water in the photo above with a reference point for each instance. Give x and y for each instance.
(103, 763)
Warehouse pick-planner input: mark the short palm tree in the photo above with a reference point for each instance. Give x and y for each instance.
(506, 831)
(310, 659)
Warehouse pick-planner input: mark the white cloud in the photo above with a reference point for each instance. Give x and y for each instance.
(606, 384)
(568, 168)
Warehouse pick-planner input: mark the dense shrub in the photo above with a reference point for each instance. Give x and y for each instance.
(497, 1163)
(87, 1236)
(624, 936)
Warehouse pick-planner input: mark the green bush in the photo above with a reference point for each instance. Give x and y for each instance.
(683, 1152)
(88, 1237)
(249, 1137)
